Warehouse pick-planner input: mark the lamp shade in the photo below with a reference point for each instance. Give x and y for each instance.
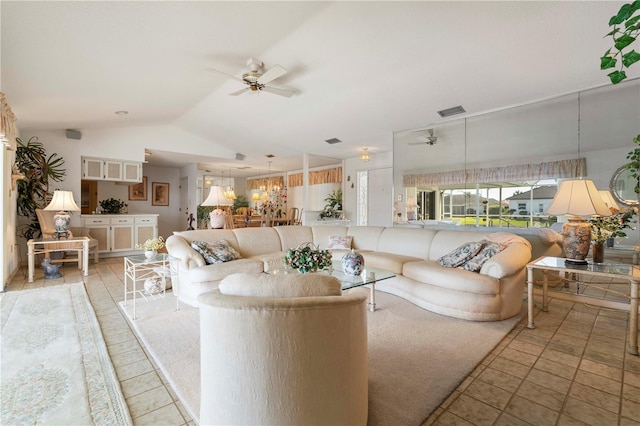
(608, 199)
(63, 201)
(255, 196)
(578, 197)
(216, 197)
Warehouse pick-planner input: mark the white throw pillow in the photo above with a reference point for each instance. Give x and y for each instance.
(272, 285)
(340, 242)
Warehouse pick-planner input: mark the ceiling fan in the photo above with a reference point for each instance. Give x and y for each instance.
(257, 79)
(430, 139)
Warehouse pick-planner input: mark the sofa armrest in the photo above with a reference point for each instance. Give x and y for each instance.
(181, 249)
(508, 262)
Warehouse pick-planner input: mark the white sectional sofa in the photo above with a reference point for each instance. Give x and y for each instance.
(493, 293)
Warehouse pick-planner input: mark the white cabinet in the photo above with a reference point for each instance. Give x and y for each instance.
(120, 233)
(112, 170)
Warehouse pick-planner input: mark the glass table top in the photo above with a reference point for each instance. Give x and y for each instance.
(606, 269)
(369, 275)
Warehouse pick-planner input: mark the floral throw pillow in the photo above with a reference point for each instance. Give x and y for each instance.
(339, 243)
(223, 251)
(489, 249)
(209, 256)
(460, 255)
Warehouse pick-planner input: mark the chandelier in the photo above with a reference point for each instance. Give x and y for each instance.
(364, 156)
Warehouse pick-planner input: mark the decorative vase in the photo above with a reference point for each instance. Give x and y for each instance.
(597, 252)
(352, 263)
(150, 253)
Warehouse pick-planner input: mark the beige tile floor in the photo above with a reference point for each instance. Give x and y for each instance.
(572, 369)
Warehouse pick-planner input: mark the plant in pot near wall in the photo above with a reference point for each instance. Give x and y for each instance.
(33, 189)
(112, 206)
(333, 208)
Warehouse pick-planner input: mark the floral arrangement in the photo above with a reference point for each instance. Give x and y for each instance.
(152, 244)
(605, 227)
(268, 208)
(307, 258)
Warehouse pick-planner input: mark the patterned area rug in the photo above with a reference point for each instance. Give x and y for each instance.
(55, 365)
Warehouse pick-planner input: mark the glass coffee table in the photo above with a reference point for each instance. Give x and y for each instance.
(369, 276)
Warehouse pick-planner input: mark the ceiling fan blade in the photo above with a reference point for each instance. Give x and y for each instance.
(240, 92)
(273, 73)
(280, 92)
(225, 73)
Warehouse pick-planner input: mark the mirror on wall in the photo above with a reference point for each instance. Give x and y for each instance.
(622, 187)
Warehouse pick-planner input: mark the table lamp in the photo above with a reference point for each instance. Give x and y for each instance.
(577, 197)
(216, 197)
(411, 206)
(255, 197)
(63, 202)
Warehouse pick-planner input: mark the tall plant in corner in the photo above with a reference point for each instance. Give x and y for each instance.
(33, 190)
(626, 28)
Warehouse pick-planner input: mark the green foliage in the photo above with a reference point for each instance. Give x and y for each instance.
(203, 215)
(240, 201)
(33, 191)
(112, 206)
(333, 208)
(634, 164)
(626, 28)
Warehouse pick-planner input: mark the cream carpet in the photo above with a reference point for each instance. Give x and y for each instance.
(55, 366)
(416, 358)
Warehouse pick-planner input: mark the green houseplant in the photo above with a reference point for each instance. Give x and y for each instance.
(626, 28)
(112, 206)
(33, 190)
(333, 208)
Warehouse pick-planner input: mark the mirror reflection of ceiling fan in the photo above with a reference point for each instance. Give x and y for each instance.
(257, 79)
(429, 139)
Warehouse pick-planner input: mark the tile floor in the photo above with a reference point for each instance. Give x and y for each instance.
(572, 369)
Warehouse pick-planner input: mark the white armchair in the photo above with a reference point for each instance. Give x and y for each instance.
(283, 349)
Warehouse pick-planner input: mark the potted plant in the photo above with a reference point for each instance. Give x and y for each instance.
(634, 164)
(308, 258)
(333, 208)
(33, 189)
(151, 246)
(112, 206)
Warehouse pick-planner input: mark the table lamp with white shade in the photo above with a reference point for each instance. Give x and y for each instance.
(216, 198)
(577, 197)
(63, 202)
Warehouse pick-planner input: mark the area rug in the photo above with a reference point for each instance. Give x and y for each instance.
(416, 358)
(55, 366)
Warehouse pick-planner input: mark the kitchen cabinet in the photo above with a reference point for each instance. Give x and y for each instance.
(111, 170)
(120, 233)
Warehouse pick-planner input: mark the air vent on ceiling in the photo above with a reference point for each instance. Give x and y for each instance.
(451, 111)
(240, 156)
(333, 141)
(269, 155)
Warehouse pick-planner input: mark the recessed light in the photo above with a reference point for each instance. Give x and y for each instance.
(122, 112)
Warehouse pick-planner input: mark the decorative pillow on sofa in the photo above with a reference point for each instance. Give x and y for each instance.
(460, 255)
(340, 243)
(203, 248)
(223, 251)
(489, 249)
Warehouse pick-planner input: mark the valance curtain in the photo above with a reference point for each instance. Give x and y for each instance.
(519, 173)
(318, 177)
(7, 121)
(265, 182)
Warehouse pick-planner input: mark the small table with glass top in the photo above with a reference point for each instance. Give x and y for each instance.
(47, 245)
(618, 271)
(139, 267)
(369, 276)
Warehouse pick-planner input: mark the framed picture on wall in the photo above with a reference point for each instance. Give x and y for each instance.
(159, 194)
(138, 191)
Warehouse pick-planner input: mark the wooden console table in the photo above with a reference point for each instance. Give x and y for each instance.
(619, 271)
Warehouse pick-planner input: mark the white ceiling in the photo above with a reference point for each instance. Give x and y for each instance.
(361, 70)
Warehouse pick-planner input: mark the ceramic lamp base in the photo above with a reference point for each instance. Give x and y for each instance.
(576, 240)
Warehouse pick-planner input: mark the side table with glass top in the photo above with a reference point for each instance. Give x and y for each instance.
(140, 268)
(619, 271)
(369, 276)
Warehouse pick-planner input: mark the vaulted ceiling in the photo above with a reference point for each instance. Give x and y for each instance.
(360, 70)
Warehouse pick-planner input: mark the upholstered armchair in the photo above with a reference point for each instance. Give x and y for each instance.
(283, 350)
(47, 228)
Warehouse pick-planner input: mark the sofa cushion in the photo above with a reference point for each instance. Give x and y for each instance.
(322, 233)
(340, 242)
(255, 241)
(206, 252)
(217, 272)
(489, 249)
(281, 286)
(389, 261)
(432, 273)
(460, 254)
